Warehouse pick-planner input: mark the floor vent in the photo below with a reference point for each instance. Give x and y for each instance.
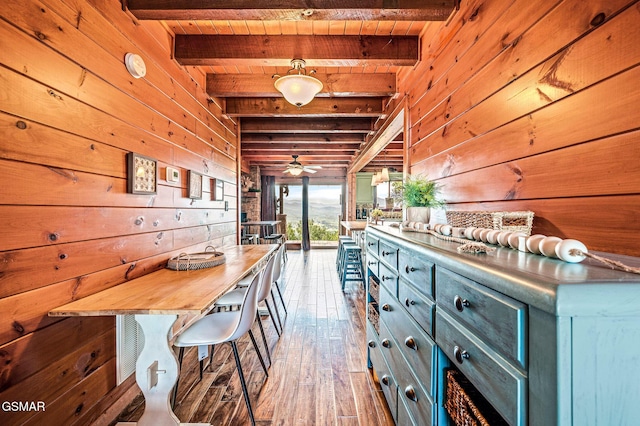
(129, 343)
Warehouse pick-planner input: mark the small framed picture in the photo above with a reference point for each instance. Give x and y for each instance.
(218, 189)
(194, 187)
(142, 174)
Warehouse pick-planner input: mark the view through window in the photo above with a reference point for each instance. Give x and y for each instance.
(324, 212)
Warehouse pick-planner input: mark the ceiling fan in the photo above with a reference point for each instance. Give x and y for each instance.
(295, 168)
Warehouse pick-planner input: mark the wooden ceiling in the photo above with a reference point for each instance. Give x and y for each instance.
(355, 46)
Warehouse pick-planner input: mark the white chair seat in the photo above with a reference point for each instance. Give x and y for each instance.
(245, 281)
(210, 330)
(231, 298)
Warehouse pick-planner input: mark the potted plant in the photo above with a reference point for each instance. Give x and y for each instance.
(420, 195)
(376, 214)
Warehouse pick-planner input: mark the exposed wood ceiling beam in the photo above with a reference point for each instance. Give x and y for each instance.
(297, 10)
(388, 132)
(303, 138)
(306, 125)
(252, 85)
(321, 107)
(279, 50)
(298, 148)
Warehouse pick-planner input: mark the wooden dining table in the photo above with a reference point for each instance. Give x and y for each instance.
(156, 300)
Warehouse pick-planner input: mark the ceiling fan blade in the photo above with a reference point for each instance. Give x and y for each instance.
(308, 170)
(287, 171)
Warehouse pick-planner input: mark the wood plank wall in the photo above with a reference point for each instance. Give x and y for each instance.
(534, 105)
(69, 113)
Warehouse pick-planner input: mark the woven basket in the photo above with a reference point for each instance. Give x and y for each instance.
(466, 406)
(193, 261)
(374, 289)
(374, 316)
(503, 221)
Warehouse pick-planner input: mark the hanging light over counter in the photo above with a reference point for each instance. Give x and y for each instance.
(297, 87)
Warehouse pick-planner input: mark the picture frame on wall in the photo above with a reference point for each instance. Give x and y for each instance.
(194, 187)
(142, 174)
(218, 189)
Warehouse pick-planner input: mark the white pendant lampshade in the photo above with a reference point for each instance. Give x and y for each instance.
(374, 180)
(385, 175)
(298, 89)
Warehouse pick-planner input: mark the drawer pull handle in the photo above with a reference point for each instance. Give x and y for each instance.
(460, 355)
(372, 344)
(411, 343)
(386, 307)
(460, 303)
(371, 262)
(411, 393)
(385, 380)
(409, 302)
(386, 343)
(386, 278)
(386, 253)
(370, 243)
(409, 269)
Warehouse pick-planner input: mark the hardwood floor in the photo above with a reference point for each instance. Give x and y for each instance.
(318, 374)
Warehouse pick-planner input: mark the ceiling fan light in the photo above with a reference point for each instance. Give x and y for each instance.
(295, 171)
(298, 89)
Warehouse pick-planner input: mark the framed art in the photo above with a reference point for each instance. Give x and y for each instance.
(142, 174)
(194, 187)
(218, 189)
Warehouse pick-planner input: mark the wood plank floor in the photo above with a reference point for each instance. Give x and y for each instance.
(318, 374)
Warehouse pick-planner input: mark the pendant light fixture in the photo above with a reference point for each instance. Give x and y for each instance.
(297, 87)
(384, 174)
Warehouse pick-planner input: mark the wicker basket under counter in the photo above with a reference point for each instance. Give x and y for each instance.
(465, 405)
(518, 221)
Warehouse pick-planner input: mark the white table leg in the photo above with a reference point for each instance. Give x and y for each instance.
(157, 370)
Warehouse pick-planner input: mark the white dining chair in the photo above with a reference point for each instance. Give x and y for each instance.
(222, 327)
(277, 274)
(234, 298)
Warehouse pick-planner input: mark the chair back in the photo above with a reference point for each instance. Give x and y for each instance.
(277, 267)
(267, 279)
(249, 307)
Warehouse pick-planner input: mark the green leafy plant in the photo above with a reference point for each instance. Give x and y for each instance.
(376, 213)
(418, 191)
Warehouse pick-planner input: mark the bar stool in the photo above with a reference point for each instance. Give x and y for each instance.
(222, 327)
(341, 254)
(352, 265)
(341, 240)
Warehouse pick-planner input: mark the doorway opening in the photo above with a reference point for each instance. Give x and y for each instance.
(325, 207)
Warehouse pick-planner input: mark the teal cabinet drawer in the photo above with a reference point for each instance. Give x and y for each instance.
(372, 264)
(416, 406)
(389, 255)
(497, 319)
(372, 244)
(418, 306)
(416, 346)
(498, 381)
(379, 364)
(417, 270)
(388, 279)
